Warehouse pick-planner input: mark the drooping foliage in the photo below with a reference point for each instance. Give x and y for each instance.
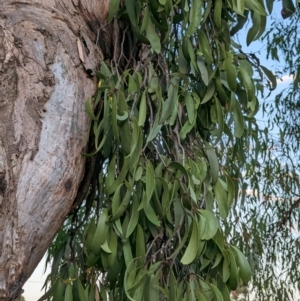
(172, 129)
(283, 45)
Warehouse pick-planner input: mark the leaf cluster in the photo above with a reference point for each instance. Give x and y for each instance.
(169, 130)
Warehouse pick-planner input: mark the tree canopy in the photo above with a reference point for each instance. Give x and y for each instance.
(175, 142)
(269, 219)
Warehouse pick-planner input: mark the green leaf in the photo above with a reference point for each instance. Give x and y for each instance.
(81, 293)
(240, 7)
(50, 292)
(145, 19)
(154, 288)
(192, 248)
(221, 197)
(244, 267)
(113, 7)
(142, 110)
(136, 152)
(190, 106)
(152, 36)
(140, 277)
(200, 296)
(219, 120)
(237, 118)
(127, 252)
(218, 14)
(195, 15)
(114, 121)
(231, 190)
(225, 292)
(213, 162)
(59, 292)
(116, 200)
(248, 84)
(230, 71)
(172, 286)
(134, 216)
(182, 62)
(288, 8)
(217, 293)
(122, 117)
(269, 4)
(203, 70)
(177, 166)
(113, 246)
(212, 224)
(151, 216)
(254, 32)
(118, 211)
(256, 6)
(140, 246)
(89, 109)
(101, 232)
(124, 127)
(130, 8)
(183, 239)
(233, 280)
(129, 278)
(134, 139)
(270, 76)
(120, 179)
(132, 85)
(219, 240)
(154, 130)
(205, 47)
(105, 247)
(241, 21)
(247, 66)
(225, 268)
(209, 92)
(150, 180)
(169, 104)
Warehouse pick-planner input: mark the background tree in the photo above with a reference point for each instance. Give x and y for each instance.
(266, 224)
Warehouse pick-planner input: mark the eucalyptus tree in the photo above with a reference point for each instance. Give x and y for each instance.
(48, 54)
(119, 116)
(265, 225)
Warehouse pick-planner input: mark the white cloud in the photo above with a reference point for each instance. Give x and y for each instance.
(285, 79)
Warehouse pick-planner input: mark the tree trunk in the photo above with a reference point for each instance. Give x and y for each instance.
(47, 57)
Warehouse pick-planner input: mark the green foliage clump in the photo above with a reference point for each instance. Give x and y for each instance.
(171, 122)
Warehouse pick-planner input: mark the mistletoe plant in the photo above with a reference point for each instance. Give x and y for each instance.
(168, 125)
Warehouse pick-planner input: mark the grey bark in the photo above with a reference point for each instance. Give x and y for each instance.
(47, 55)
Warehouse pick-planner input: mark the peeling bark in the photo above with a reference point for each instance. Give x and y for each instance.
(47, 55)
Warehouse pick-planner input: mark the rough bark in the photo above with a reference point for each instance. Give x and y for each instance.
(47, 55)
